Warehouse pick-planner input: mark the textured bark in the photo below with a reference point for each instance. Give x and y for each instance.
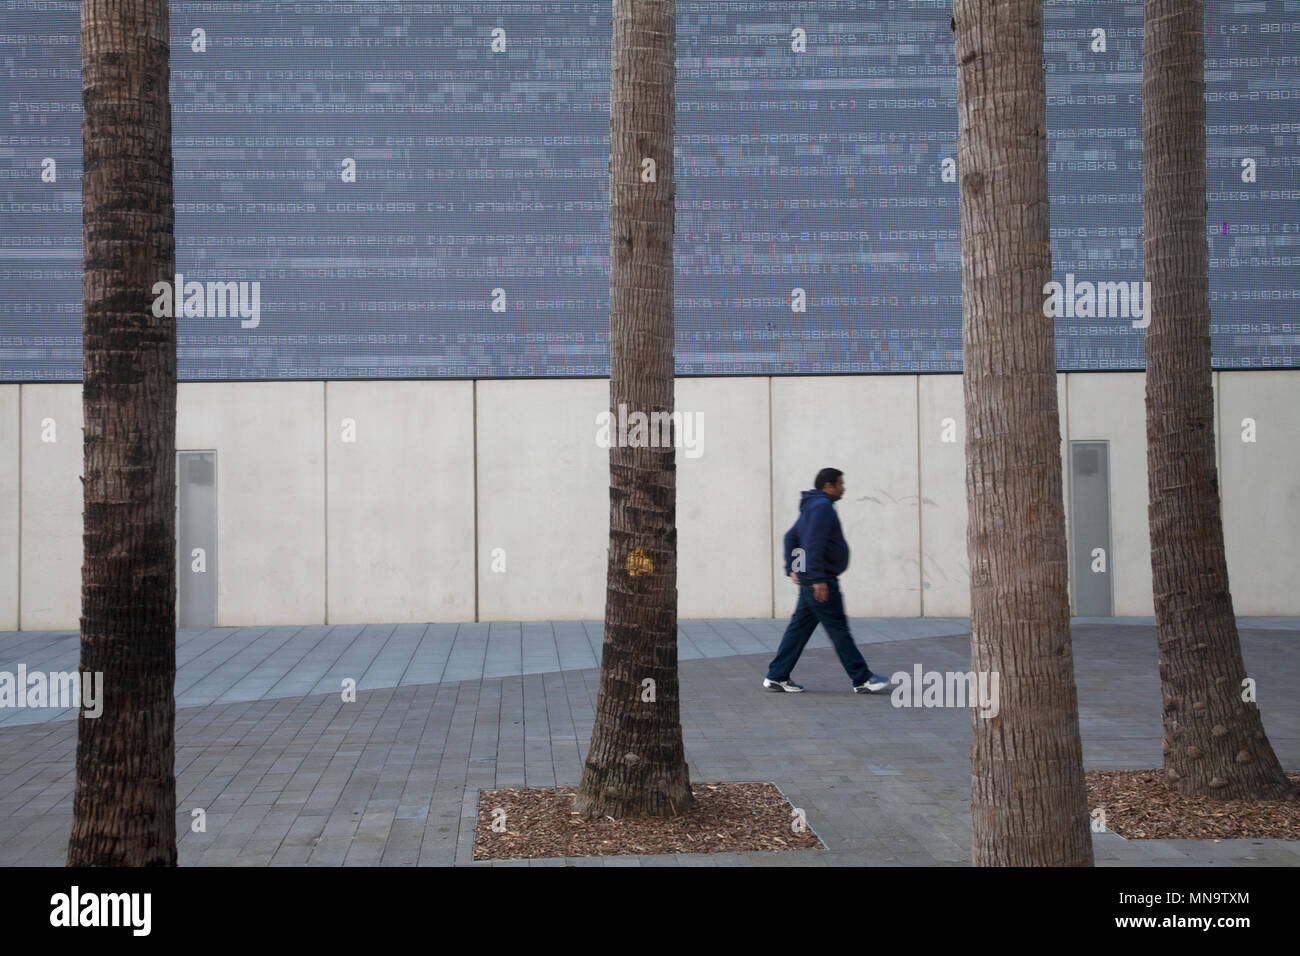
(1028, 798)
(124, 805)
(636, 765)
(1214, 741)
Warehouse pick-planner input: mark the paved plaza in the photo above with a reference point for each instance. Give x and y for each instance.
(289, 774)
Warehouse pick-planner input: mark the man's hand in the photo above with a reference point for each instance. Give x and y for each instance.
(794, 577)
(821, 592)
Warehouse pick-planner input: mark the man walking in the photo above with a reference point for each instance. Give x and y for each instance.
(816, 554)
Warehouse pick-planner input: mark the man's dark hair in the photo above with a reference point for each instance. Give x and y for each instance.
(827, 476)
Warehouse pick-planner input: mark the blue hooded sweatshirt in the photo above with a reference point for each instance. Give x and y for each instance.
(818, 532)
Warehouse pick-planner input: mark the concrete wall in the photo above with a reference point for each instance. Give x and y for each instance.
(866, 427)
(1063, 410)
(1260, 484)
(1112, 407)
(543, 500)
(400, 492)
(945, 571)
(460, 501)
(945, 578)
(51, 507)
(724, 487)
(9, 510)
(270, 444)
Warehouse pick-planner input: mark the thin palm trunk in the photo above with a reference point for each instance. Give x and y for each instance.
(636, 763)
(1028, 797)
(1214, 741)
(124, 805)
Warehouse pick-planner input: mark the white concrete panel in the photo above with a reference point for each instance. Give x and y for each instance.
(1111, 406)
(542, 493)
(9, 506)
(52, 506)
(1063, 412)
(400, 501)
(724, 487)
(943, 491)
(1260, 485)
(866, 427)
(270, 445)
(942, 422)
(1218, 428)
(543, 500)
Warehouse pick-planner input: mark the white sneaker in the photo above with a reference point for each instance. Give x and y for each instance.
(790, 687)
(872, 685)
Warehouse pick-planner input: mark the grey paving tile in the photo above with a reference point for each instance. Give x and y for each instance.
(295, 776)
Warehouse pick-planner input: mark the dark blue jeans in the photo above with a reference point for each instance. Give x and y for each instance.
(807, 615)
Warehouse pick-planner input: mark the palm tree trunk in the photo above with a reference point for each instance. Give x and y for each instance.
(1214, 741)
(1028, 797)
(636, 763)
(124, 806)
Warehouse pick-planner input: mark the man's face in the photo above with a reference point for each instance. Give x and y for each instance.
(835, 491)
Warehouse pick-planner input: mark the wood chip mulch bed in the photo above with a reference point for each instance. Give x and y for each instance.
(1140, 806)
(727, 818)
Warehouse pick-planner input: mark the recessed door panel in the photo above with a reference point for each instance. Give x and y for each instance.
(1090, 528)
(196, 553)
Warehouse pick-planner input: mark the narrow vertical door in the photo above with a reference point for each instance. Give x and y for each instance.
(1091, 558)
(196, 524)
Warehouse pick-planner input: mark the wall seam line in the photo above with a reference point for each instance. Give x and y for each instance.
(325, 518)
(18, 608)
(474, 458)
(1216, 382)
(1067, 487)
(771, 493)
(920, 505)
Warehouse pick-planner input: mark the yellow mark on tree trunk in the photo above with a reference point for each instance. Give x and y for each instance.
(639, 563)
